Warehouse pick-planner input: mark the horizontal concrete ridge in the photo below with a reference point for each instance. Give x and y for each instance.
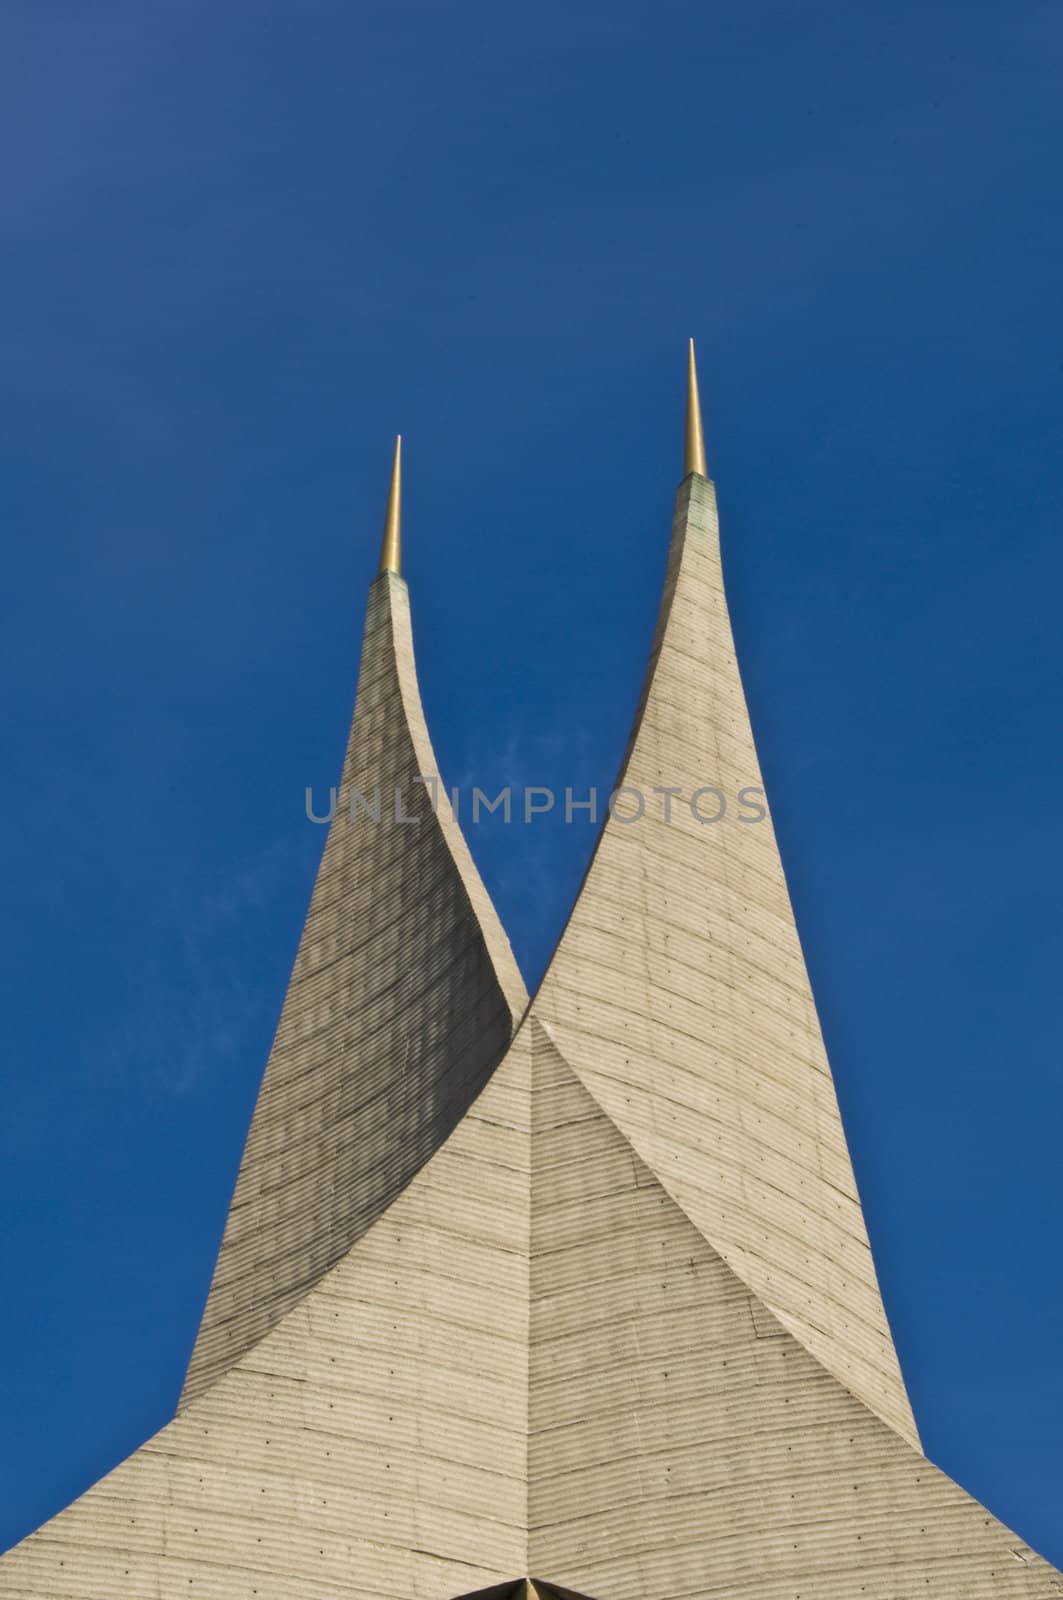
(403, 996)
(604, 1313)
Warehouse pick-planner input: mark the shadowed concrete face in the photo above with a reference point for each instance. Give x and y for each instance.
(604, 1312)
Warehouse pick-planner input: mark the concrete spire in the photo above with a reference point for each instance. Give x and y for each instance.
(350, 1108)
(391, 543)
(694, 457)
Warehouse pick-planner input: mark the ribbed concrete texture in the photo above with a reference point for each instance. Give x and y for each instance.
(680, 996)
(600, 1320)
(681, 1442)
(403, 996)
(374, 1444)
(533, 1361)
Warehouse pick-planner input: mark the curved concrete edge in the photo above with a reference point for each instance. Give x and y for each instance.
(494, 934)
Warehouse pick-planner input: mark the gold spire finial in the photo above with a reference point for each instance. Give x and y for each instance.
(694, 459)
(391, 544)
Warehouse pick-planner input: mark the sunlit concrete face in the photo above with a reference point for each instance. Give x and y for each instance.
(580, 1311)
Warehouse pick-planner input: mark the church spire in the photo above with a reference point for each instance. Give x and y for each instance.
(391, 544)
(694, 459)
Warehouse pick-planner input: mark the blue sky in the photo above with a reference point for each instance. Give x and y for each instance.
(242, 246)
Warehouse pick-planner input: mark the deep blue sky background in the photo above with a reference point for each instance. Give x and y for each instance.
(242, 245)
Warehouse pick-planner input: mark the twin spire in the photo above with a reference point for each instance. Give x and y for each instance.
(693, 461)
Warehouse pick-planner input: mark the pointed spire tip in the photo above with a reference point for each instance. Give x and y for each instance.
(391, 543)
(694, 454)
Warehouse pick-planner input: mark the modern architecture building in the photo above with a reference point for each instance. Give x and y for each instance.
(570, 1298)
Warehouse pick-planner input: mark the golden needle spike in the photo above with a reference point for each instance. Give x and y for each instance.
(391, 544)
(694, 460)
